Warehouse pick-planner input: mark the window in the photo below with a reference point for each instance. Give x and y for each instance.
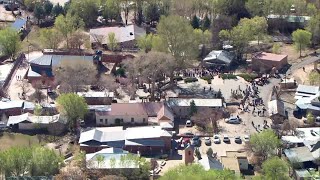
(101, 120)
(132, 120)
(106, 121)
(144, 120)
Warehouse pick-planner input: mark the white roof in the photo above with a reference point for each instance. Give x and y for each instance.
(304, 100)
(307, 91)
(198, 102)
(122, 33)
(33, 119)
(303, 135)
(117, 133)
(11, 104)
(96, 94)
(166, 125)
(148, 132)
(108, 154)
(276, 107)
(208, 164)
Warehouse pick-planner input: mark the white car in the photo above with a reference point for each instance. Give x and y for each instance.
(189, 123)
(233, 120)
(216, 139)
(246, 138)
(207, 141)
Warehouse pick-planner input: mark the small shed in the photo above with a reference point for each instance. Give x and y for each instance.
(276, 110)
(264, 62)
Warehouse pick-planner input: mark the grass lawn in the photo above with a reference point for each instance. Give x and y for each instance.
(8, 140)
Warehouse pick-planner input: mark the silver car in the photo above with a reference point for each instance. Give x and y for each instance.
(216, 139)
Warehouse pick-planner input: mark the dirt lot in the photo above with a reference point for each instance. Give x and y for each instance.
(5, 15)
(302, 76)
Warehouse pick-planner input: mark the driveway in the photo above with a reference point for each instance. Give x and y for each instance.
(306, 61)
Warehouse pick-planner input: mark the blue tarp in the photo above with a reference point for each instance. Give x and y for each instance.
(18, 24)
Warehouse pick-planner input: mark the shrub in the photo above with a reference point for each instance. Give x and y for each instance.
(248, 77)
(209, 152)
(177, 78)
(120, 72)
(228, 76)
(197, 153)
(206, 78)
(190, 80)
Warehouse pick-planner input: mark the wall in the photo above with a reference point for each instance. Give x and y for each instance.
(16, 65)
(98, 100)
(126, 119)
(260, 65)
(184, 111)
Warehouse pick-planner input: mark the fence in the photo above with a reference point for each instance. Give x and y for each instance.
(16, 64)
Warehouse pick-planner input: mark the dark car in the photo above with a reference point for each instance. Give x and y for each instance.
(226, 139)
(237, 140)
(196, 141)
(11, 7)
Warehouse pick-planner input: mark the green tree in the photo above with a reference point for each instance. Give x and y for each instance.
(257, 7)
(57, 10)
(314, 78)
(68, 24)
(38, 12)
(73, 107)
(87, 10)
(47, 7)
(145, 42)
(9, 42)
(110, 10)
(196, 171)
(301, 39)
(314, 27)
(195, 23)
(275, 168)
(133, 160)
(176, 37)
(276, 48)
(310, 118)
(193, 108)
(50, 38)
(152, 12)
(44, 162)
(264, 144)
(206, 23)
(100, 159)
(112, 41)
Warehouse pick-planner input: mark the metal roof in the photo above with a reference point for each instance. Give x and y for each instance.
(18, 24)
(34, 119)
(96, 94)
(48, 60)
(312, 90)
(144, 142)
(198, 102)
(221, 55)
(11, 104)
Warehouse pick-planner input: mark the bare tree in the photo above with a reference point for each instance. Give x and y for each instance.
(73, 75)
(24, 85)
(69, 172)
(77, 39)
(107, 83)
(205, 117)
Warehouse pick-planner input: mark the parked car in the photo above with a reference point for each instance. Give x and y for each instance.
(246, 138)
(11, 6)
(207, 141)
(237, 140)
(226, 139)
(189, 123)
(188, 134)
(196, 141)
(233, 120)
(216, 139)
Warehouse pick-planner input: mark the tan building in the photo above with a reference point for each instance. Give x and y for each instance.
(276, 110)
(264, 62)
(235, 161)
(154, 113)
(181, 106)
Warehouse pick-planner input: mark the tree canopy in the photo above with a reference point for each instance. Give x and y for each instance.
(73, 107)
(264, 144)
(196, 172)
(275, 168)
(9, 42)
(301, 39)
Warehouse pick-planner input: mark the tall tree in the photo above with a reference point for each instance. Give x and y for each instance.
(145, 42)
(221, 23)
(87, 10)
(152, 12)
(264, 144)
(110, 10)
(50, 38)
(72, 76)
(195, 23)
(9, 42)
(47, 7)
(206, 23)
(275, 168)
(193, 108)
(196, 171)
(314, 28)
(73, 107)
(314, 78)
(68, 24)
(39, 12)
(112, 41)
(301, 39)
(57, 10)
(177, 38)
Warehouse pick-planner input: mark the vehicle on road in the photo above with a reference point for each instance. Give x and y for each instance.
(237, 140)
(189, 123)
(216, 139)
(226, 139)
(207, 141)
(246, 138)
(196, 141)
(233, 120)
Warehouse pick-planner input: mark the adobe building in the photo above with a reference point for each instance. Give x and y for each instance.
(264, 62)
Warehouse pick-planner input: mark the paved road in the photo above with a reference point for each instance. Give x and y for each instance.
(306, 61)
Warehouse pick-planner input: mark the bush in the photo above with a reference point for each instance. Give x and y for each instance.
(248, 77)
(209, 152)
(206, 78)
(228, 76)
(197, 153)
(120, 72)
(177, 78)
(190, 80)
